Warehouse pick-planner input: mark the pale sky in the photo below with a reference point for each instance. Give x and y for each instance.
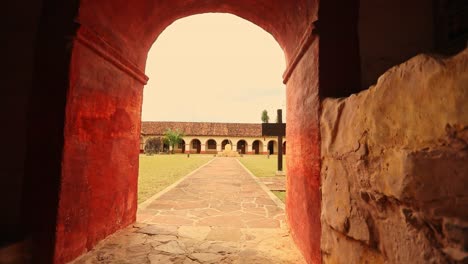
(214, 68)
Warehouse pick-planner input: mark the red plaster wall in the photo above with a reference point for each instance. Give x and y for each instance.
(100, 157)
(303, 160)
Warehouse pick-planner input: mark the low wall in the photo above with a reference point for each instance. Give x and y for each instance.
(394, 168)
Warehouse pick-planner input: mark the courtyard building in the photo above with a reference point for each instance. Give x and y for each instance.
(211, 138)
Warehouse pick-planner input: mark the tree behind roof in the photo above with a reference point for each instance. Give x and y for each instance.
(265, 117)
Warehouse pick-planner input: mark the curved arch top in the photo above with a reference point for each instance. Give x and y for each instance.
(132, 27)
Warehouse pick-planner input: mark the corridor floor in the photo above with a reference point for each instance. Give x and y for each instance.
(218, 214)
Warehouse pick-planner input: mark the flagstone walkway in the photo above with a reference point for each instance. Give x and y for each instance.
(218, 214)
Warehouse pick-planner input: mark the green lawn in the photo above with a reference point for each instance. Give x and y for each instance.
(159, 171)
(261, 166)
(281, 195)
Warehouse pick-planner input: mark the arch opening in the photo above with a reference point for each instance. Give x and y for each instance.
(195, 146)
(224, 143)
(242, 146)
(272, 147)
(200, 55)
(257, 147)
(181, 147)
(123, 107)
(211, 144)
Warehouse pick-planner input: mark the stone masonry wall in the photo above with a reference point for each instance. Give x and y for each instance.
(395, 167)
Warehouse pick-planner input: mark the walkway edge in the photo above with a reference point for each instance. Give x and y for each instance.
(148, 201)
(275, 199)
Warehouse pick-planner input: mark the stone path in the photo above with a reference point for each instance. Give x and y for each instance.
(219, 214)
(275, 183)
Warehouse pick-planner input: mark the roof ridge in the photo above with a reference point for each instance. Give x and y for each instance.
(200, 122)
(203, 128)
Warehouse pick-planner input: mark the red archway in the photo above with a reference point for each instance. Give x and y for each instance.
(96, 196)
(109, 44)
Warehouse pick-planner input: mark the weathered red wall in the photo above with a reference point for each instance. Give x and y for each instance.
(100, 158)
(303, 160)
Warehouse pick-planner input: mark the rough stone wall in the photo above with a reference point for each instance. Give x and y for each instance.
(395, 167)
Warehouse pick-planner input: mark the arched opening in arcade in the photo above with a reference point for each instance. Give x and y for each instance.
(211, 146)
(257, 147)
(181, 147)
(165, 147)
(242, 146)
(224, 143)
(195, 146)
(272, 147)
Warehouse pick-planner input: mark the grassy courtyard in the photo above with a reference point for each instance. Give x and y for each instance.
(281, 195)
(262, 166)
(159, 171)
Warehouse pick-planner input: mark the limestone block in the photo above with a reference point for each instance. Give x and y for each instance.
(395, 167)
(172, 247)
(437, 180)
(407, 237)
(358, 228)
(336, 205)
(410, 106)
(337, 248)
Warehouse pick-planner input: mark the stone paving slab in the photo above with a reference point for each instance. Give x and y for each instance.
(219, 214)
(277, 183)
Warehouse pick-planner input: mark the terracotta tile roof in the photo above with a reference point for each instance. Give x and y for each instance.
(203, 128)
